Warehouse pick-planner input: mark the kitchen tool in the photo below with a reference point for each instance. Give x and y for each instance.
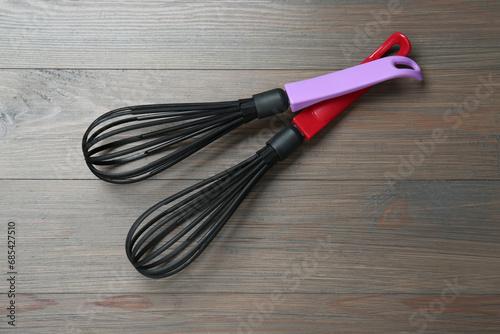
(173, 233)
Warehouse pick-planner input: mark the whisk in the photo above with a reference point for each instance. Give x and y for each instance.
(134, 143)
(173, 233)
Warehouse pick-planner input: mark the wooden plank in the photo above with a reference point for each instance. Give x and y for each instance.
(244, 34)
(260, 313)
(320, 236)
(44, 113)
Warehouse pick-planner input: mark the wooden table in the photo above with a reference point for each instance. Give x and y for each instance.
(386, 222)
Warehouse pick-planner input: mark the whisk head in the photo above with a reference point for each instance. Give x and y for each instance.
(134, 143)
(173, 233)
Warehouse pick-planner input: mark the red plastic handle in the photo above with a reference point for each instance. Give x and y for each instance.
(316, 117)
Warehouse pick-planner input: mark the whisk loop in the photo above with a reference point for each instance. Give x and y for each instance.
(173, 233)
(131, 144)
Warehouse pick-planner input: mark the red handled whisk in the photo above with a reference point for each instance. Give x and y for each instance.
(174, 232)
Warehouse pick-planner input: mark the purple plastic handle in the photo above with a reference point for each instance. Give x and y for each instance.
(311, 91)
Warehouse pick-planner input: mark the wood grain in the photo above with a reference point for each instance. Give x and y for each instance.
(374, 226)
(46, 113)
(262, 313)
(225, 34)
(352, 236)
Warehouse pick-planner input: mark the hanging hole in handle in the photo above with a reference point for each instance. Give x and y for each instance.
(404, 66)
(407, 67)
(393, 50)
(396, 41)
